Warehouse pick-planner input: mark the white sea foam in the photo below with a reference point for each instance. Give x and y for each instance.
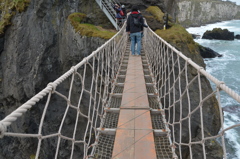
(230, 25)
(231, 118)
(232, 135)
(226, 69)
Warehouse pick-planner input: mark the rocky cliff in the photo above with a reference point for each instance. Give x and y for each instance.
(39, 47)
(36, 49)
(169, 6)
(197, 13)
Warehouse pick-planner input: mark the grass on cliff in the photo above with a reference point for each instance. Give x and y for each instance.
(89, 30)
(156, 12)
(8, 8)
(177, 35)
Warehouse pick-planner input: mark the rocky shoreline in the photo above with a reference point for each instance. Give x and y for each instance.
(215, 34)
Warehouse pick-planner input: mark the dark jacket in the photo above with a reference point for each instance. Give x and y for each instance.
(117, 9)
(130, 24)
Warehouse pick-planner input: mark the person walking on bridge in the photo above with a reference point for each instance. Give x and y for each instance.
(135, 29)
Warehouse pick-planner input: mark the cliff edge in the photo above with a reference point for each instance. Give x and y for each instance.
(197, 13)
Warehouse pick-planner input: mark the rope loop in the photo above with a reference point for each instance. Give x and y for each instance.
(53, 86)
(200, 68)
(188, 59)
(218, 84)
(74, 69)
(85, 59)
(2, 129)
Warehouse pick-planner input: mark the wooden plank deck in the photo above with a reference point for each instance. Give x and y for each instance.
(134, 136)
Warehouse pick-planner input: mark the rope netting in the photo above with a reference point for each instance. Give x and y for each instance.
(71, 108)
(193, 112)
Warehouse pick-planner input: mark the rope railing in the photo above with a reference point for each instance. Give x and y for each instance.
(79, 96)
(193, 113)
(71, 109)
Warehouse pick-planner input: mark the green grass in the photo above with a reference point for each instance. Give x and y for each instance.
(8, 7)
(178, 36)
(156, 12)
(76, 18)
(86, 29)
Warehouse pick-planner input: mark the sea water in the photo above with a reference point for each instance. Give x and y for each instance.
(226, 69)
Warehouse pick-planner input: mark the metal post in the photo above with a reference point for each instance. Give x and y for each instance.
(165, 21)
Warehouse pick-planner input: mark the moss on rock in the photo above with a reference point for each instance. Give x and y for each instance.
(76, 18)
(8, 8)
(32, 156)
(20, 5)
(156, 12)
(89, 30)
(218, 33)
(178, 36)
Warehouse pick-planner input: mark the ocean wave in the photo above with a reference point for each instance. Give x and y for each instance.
(226, 69)
(232, 140)
(232, 26)
(232, 136)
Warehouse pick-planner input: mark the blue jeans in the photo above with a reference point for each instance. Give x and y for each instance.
(136, 39)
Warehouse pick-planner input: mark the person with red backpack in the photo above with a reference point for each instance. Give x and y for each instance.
(119, 13)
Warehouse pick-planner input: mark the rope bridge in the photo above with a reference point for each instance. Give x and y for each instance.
(85, 93)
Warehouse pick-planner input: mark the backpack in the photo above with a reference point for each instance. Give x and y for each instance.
(121, 13)
(124, 12)
(136, 21)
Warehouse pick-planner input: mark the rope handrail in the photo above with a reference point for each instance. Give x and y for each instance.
(51, 86)
(220, 84)
(82, 95)
(98, 70)
(189, 106)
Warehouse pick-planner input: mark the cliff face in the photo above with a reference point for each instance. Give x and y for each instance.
(169, 6)
(39, 47)
(197, 13)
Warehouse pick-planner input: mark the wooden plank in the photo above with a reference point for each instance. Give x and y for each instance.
(134, 136)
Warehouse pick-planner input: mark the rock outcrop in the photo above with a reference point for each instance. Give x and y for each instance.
(197, 13)
(237, 36)
(196, 36)
(208, 53)
(218, 34)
